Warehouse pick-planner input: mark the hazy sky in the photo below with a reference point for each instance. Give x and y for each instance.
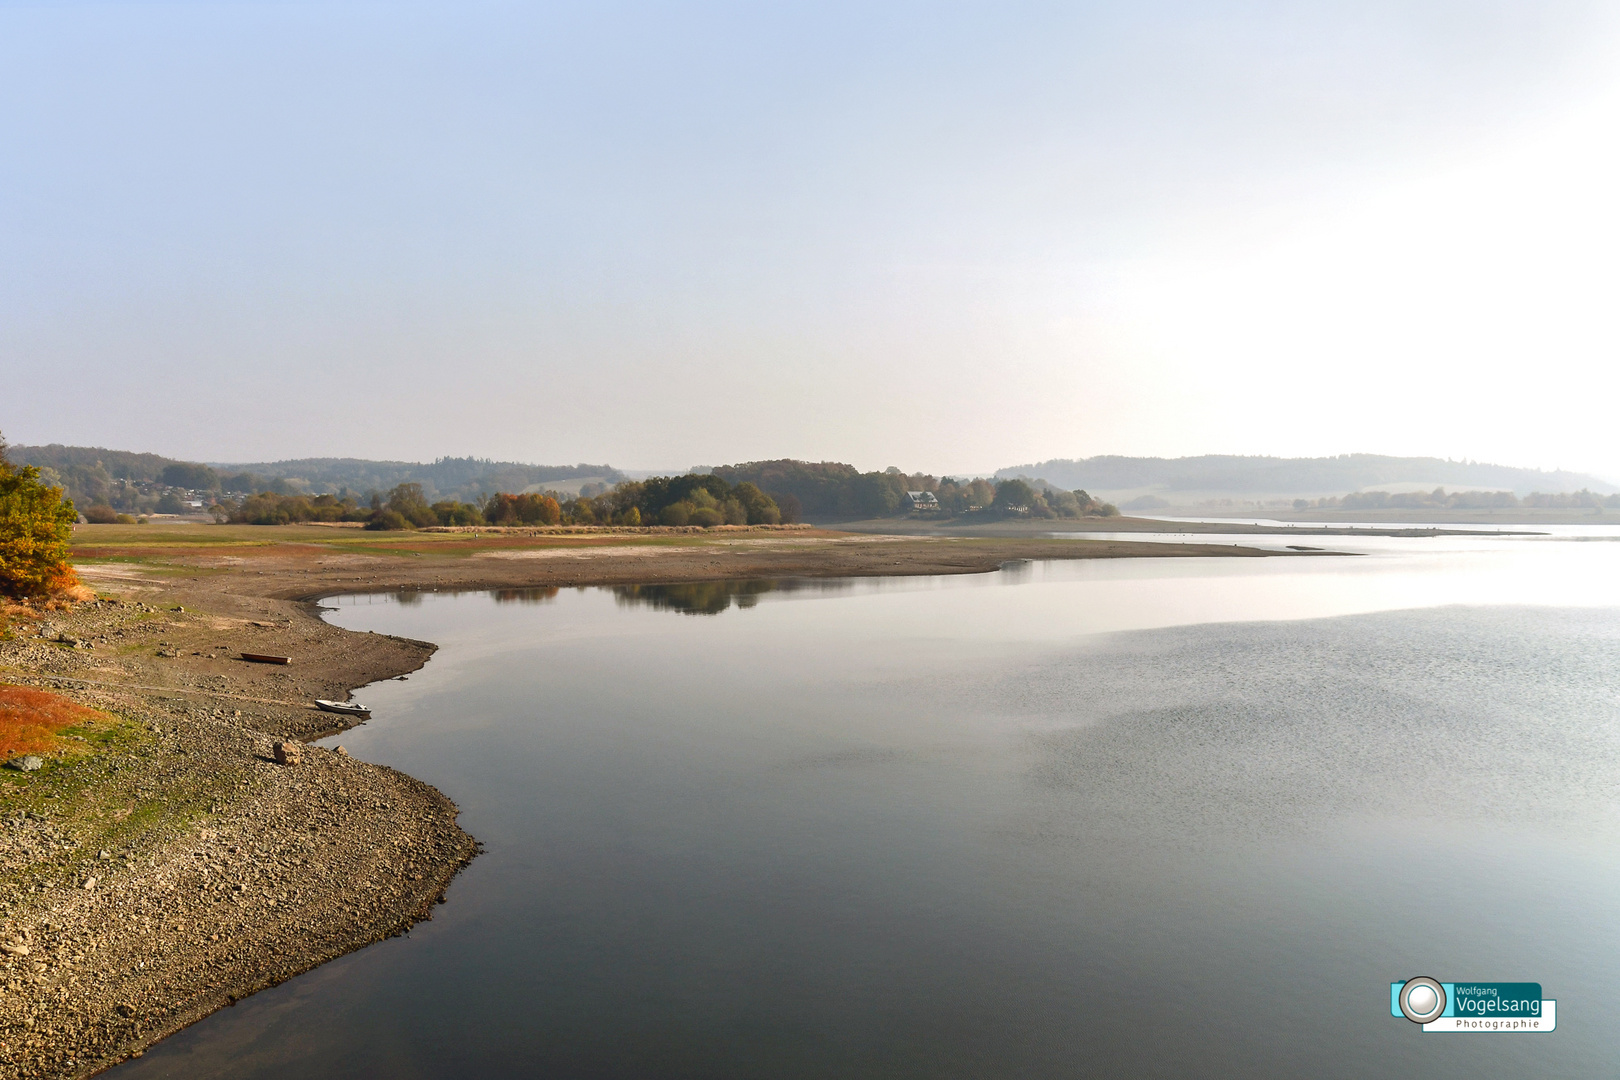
(937, 236)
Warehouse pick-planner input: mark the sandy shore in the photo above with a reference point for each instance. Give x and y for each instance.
(167, 865)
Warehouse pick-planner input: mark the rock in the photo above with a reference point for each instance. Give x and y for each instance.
(14, 950)
(288, 753)
(26, 763)
(126, 1009)
(342, 751)
(89, 882)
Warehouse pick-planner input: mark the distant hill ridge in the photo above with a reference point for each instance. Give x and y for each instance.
(449, 477)
(90, 473)
(118, 464)
(827, 490)
(1223, 474)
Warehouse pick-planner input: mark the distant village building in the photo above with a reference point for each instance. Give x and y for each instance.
(922, 500)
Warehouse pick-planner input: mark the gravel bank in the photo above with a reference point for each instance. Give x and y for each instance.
(171, 867)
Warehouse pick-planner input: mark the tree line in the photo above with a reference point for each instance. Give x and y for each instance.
(1440, 499)
(834, 491)
(105, 483)
(705, 501)
(725, 496)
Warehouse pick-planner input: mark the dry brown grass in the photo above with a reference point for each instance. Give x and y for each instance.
(14, 613)
(30, 719)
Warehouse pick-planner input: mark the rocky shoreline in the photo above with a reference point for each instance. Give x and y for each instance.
(177, 867)
(171, 866)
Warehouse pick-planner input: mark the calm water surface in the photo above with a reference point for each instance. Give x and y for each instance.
(1132, 818)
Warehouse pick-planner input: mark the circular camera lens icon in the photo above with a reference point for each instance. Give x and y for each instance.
(1422, 1000)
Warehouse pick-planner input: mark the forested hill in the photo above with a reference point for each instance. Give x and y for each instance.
(94, 475)
(1220, 474)
(457, 478)
(115, 464)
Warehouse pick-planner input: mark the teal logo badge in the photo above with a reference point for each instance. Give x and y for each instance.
(1503, 1007)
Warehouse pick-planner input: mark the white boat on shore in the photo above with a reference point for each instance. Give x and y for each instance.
(348, 708)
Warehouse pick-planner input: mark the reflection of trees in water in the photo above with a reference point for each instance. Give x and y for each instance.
(713, 597)
(694, 597)
(687, 597)
(537, 595)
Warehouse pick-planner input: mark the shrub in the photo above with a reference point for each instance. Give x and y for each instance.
(35, 526)
(384, 520)
(657, 495)
(760, 508)
(450, 512)
(268, 508)
(408, 502)
(30, 719)
(1011, 494)
(706, 516)
(531, 509)
(101, 514)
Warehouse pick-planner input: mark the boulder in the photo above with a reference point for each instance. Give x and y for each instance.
(288, 753)
(26, 763)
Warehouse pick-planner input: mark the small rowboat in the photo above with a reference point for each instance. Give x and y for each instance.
(266, 658)
(348, 708)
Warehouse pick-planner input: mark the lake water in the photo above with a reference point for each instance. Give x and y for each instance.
(1115, 818)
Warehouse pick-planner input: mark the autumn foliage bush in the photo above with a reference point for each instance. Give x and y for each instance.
(30, 719)
(530, 509)
(35, 526)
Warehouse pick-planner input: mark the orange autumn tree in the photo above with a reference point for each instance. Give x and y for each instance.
(531, 509)
(36, 523)
(30, 719)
